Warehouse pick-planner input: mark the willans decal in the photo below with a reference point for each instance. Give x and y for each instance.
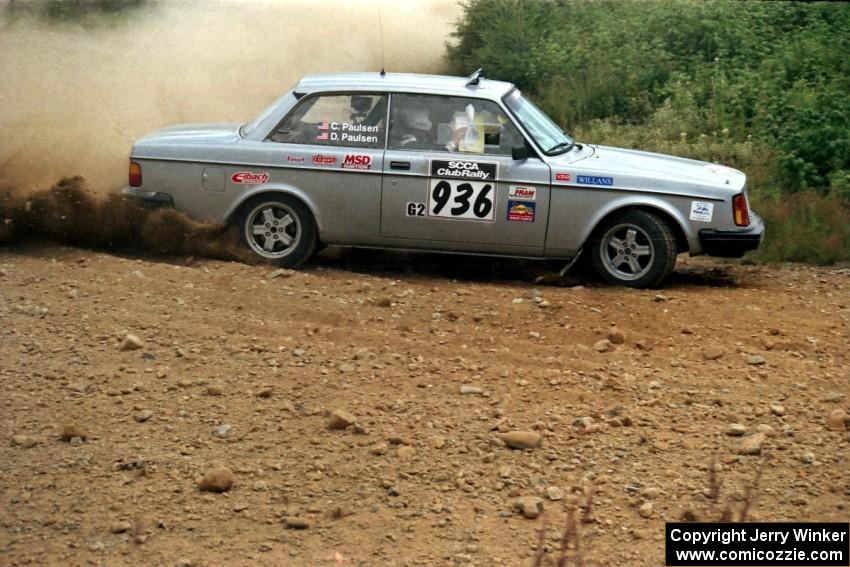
(595, 180)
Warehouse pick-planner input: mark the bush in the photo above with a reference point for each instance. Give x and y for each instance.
(761, 86)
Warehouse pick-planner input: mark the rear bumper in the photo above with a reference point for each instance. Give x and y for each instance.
(732, 243)
(150, 198)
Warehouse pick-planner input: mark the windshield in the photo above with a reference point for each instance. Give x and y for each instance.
(551, 139)
(248, 127)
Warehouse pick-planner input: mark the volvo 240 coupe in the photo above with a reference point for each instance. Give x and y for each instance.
(448, 164)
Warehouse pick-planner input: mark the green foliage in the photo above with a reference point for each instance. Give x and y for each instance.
(87, 12)
(762, 86)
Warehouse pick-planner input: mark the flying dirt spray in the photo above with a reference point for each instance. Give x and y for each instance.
(77, 94)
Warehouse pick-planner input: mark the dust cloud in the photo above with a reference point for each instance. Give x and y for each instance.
(74, 97)
(69, 212)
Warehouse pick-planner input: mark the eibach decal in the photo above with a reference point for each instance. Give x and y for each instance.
(249, 178)
(357, 161)
(319, 159)
(562, 177)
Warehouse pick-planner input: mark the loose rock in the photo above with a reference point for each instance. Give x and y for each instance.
(752, 444)
(604, 346)
(530, 506)
(616, 336)
(522, 439)
(218, 479)
(143, 416)
(132, 342)
(340, 419)
(711, 353)
(736, 429)
(296, 523)
(645, 510)
(72, 430)
(837, 420)
(24, 441)
(555, 493)
(121, 527)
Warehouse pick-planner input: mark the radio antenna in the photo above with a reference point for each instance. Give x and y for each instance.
(381, 28)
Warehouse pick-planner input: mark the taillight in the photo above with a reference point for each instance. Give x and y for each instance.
(740, 210)
(135, 174)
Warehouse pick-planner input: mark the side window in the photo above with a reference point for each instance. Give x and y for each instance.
(354, 120)
(450, 124)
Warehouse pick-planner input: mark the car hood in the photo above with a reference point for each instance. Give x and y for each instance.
(193, 133)
(632, 165)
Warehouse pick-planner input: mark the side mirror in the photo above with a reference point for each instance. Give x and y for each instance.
(520, 153)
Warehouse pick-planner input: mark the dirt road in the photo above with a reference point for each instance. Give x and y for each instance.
(434, 360)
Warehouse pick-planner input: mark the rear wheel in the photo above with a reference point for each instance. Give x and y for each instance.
(280, 229)
(633, 248)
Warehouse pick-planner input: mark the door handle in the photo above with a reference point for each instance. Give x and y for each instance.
(400, 165)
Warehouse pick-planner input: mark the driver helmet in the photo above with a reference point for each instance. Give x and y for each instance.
(417, 118)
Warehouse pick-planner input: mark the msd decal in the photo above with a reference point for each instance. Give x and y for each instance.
(357, 161)
(324, 160)
(562, 177)
(249, 178)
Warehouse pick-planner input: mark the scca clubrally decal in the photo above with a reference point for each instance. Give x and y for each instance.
(464, 169)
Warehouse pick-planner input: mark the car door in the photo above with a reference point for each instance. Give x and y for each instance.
(331, 147)
(450, 182)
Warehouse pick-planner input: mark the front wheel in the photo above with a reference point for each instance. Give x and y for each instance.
(633, 248)
(280, 229)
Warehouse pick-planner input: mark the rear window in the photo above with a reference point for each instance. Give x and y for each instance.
(352, 120)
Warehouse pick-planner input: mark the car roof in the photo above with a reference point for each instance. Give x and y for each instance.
(403, 82)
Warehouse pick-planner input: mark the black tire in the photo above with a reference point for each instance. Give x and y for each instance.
(290, 234)
(633, 248)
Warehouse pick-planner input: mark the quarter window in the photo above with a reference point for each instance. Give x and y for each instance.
(450, 124)
(354, 120)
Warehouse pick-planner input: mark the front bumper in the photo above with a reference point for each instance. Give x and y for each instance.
(150, 198)
(732, 243)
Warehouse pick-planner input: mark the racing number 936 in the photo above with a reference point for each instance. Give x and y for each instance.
(462, 189)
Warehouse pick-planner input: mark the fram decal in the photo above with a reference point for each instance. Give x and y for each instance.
(319, 159)
(357, 161)
(462, 169)
(701, 211)
(295, 159)
(521, 211)
(249, 178)
(522, 193)
(562, 177)
(595, 180)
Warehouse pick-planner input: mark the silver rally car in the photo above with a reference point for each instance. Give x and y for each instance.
(448, 164)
